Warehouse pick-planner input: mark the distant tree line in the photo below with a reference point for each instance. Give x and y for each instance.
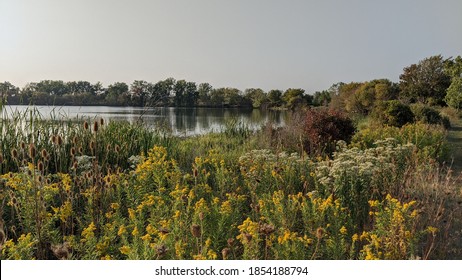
(169, 92)
(432, 81)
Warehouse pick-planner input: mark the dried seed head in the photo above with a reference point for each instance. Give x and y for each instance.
(196, 230)
(225, 252)
(95, 126)
(92, 145)
(161, 250)
(14, 200)
(266, 229)
(108, 147)
(101, 121)
(44, 154)
(74, 140)
(2, 237)
(319, 233)
(40, 166)
(248, 237)
(14, 153)
(195, 172)
(74, 165)
(61, 251)
(230, 242)
(23, 145)
(80, 150)
(32, 150)
(72, 151)
(85, 125)
(54, 140)
(60, 140)
(117, 148)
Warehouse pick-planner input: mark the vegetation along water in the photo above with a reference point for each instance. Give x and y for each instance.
(364, 170)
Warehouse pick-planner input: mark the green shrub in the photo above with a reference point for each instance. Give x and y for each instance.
(426, 114)
(392, 113)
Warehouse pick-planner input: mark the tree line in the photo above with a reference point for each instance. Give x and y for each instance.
(432, 81)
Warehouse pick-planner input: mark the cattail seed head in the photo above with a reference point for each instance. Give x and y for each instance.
(92, 145)
(196, 230)
(23, 145)
(72, 151)
(54, 139)
(225, 252)
(32, 150)
(101, 121)
(44, 153)
(2, 237)
(80, 150)
(117, 148)
(60, 140)
(40, 166)
(195, 172)
(95, 126)
(85, 125)
(74, 140)
(14, 153)
(74, 165)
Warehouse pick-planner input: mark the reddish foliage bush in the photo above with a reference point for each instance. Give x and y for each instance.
(323, 127)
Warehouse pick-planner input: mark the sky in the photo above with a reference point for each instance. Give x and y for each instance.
(240, 43)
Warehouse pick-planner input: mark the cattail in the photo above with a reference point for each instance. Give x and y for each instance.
(196, 230)
(32, 150)
(101, 121)
(92, 145)
(54, 139)
(1, 158)
(225, 253)
(95, 126)
(117, 148)
(74, 165)
(60, 140)
(108, 147)
(85, 125)
(44, 154)
(80, 150)
(40, 166)
(14, 153)
(2, 237)
(74, 140)
(40, 179)
(72, 152)
(195, 172)
(319, 233)
(23, 145)
(14, 200)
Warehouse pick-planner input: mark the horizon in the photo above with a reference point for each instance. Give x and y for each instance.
(242, 44)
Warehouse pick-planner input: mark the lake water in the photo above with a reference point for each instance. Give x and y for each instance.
(180, 121)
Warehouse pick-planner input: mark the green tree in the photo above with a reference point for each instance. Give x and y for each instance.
(293, 97)
(426, 81)
(454, 93)
(275, 97)
(116, 92)
(257, 96)
(204, 90)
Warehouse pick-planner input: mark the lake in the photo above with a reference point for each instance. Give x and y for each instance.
(180, 121)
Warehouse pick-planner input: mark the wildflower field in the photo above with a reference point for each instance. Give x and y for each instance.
(85, 189)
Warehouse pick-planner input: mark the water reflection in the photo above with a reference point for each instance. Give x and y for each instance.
(180, 121)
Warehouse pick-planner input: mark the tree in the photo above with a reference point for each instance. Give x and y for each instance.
(426, 81)
(275, 97)
(454, 93)
(204, 90)
(116, 92)
(256, 95)
(293, 97)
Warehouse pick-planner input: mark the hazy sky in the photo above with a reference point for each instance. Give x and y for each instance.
(237, 43)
